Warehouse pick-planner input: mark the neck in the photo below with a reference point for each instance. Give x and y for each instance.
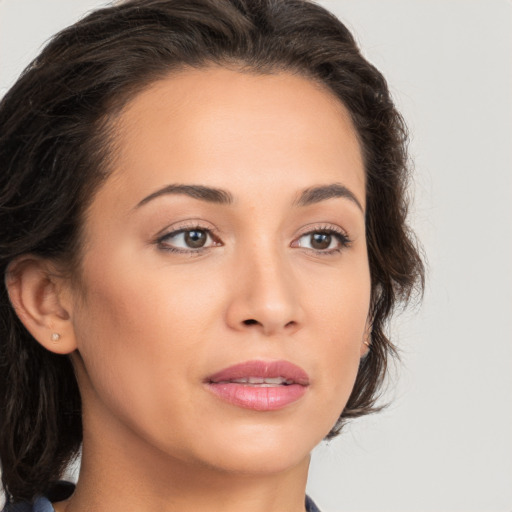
(121, 473)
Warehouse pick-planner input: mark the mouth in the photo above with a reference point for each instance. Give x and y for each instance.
(260, 385)
(269, 382)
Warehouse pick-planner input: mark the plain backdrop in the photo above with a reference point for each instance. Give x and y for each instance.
(445, 443)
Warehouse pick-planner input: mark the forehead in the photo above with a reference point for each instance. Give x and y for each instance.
(217, 125)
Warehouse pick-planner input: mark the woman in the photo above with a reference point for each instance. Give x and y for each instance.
(203, 236)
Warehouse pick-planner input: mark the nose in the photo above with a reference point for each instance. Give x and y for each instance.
(264, 295)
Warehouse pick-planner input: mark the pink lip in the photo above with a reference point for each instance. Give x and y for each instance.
(255, 397)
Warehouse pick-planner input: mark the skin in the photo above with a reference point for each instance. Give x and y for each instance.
(145, 326)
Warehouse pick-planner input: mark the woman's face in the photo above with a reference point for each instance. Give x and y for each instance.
(231, 230)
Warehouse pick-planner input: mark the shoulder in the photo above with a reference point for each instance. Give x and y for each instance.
(58, 491)
(310, 505)
(41, 504)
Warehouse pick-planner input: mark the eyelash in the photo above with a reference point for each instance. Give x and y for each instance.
(209, 233)
(341, 236)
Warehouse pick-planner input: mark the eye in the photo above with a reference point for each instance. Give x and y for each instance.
(187, 240)
(323, 240)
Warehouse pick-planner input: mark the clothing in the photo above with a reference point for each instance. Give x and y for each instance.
(63, 490)
(59, 491)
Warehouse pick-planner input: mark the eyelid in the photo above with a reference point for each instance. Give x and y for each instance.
(323, 226)
(189, 225)
(342, 236)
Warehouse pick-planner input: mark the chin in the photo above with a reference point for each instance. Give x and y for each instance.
(264, 462)
(259, 450)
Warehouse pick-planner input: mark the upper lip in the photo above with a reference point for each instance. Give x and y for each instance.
(271, 369)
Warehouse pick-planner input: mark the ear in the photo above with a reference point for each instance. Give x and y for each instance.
(42, 302)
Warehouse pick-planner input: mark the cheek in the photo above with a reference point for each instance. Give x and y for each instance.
(140, 329)
(340, 315)
(340, 300)
(135, 301)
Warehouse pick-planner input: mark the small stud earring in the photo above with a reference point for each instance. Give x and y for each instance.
(366, 340)
(55, 336)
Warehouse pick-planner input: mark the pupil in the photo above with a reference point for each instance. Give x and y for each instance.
(195, 238)
(320, 240)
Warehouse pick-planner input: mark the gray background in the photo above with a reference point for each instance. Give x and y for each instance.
(445, 444)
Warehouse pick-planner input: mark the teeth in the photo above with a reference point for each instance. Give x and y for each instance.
(263, 381)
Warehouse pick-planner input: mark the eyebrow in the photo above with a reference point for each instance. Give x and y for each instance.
(308, 197)
(321, 193)
(209, 194)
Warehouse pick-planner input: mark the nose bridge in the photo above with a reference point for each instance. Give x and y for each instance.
(264, 292)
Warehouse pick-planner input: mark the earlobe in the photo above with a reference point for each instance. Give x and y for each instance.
(36, 294)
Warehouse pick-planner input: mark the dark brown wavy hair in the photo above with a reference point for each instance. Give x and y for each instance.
(56, 128)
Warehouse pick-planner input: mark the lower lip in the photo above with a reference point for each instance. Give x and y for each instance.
(257, 398)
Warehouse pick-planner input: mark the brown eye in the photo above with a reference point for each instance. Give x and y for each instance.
(320, 241)
(195, 238)
(325, 241)
(188, 240)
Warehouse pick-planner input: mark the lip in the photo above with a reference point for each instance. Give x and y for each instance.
(256, 397)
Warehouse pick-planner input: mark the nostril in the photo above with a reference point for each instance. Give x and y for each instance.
(251, 321)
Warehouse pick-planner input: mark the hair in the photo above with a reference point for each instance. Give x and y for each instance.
(56, 138)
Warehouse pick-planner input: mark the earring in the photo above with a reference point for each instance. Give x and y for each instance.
(366, 340)
(55, 336)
